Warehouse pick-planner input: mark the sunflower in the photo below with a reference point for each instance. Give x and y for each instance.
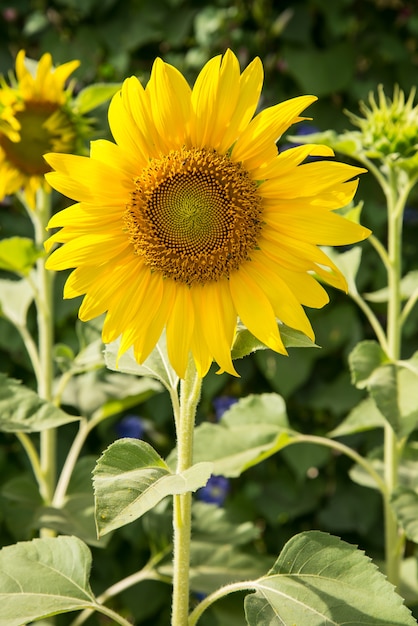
(192, 220)
(35, 117)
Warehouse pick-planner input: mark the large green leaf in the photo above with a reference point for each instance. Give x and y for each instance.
(320, 580)
(22, 410)
(43, 577)
(253, 429)
(130, 478)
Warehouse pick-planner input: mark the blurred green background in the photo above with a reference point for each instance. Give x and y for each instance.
(337, 50)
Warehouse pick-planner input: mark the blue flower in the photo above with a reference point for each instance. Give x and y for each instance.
(222, 404)
(215, 491)
(130, 426)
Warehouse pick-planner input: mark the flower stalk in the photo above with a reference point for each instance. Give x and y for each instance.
(190, 389)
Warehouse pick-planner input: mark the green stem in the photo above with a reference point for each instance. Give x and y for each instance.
(217, 595)
(33, 456)
(147, 573)
(114, 617)
(352, 454)
(190, 389)
(44, 306)
(396, 202)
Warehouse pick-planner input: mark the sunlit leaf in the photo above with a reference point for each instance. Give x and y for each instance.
(16, 296)
(130, 478)
(93, 96)
(408, 286)
(319, 579)
(254, 428)
(44, 577)
(19, 255)
(365, 416)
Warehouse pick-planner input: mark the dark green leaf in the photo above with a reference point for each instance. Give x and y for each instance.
(366, 357)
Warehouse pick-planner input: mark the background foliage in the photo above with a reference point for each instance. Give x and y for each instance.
(336, 50)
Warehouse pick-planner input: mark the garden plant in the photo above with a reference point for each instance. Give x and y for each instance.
(153, 470)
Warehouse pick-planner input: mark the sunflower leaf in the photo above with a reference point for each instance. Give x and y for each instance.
(157, 365)
(130, 478)
(319, 579)
(405, 503)
(16, 296)
(245, 343)
(22, 410)
(253, 429)
(19, 255)
(93, 96)
(44, 577)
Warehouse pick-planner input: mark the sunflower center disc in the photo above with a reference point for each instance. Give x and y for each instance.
(43, 128)
(194, 215)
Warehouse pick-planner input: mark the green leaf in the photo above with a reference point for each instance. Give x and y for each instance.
(44, 577)
(93, 96)
(157, 365)
(408, 286)
(410, 364)
(16, 296)
(19, 255)
(130, 478)
(348, 263)
(318, 580)
(383, 387)
(365, 416)
(253, 429)
(245, 343)
(22, 410)
(366, 357)
(405, 503)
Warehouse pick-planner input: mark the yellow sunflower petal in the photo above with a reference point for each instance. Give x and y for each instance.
(257, 144)
(289, 159)
(170, 96)
(285, 305)
(85, 179)
(217, 320)
(203, 103)
(309, 179)
(87, 249)
(180, 328)
(324, 229)
(260, 319)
